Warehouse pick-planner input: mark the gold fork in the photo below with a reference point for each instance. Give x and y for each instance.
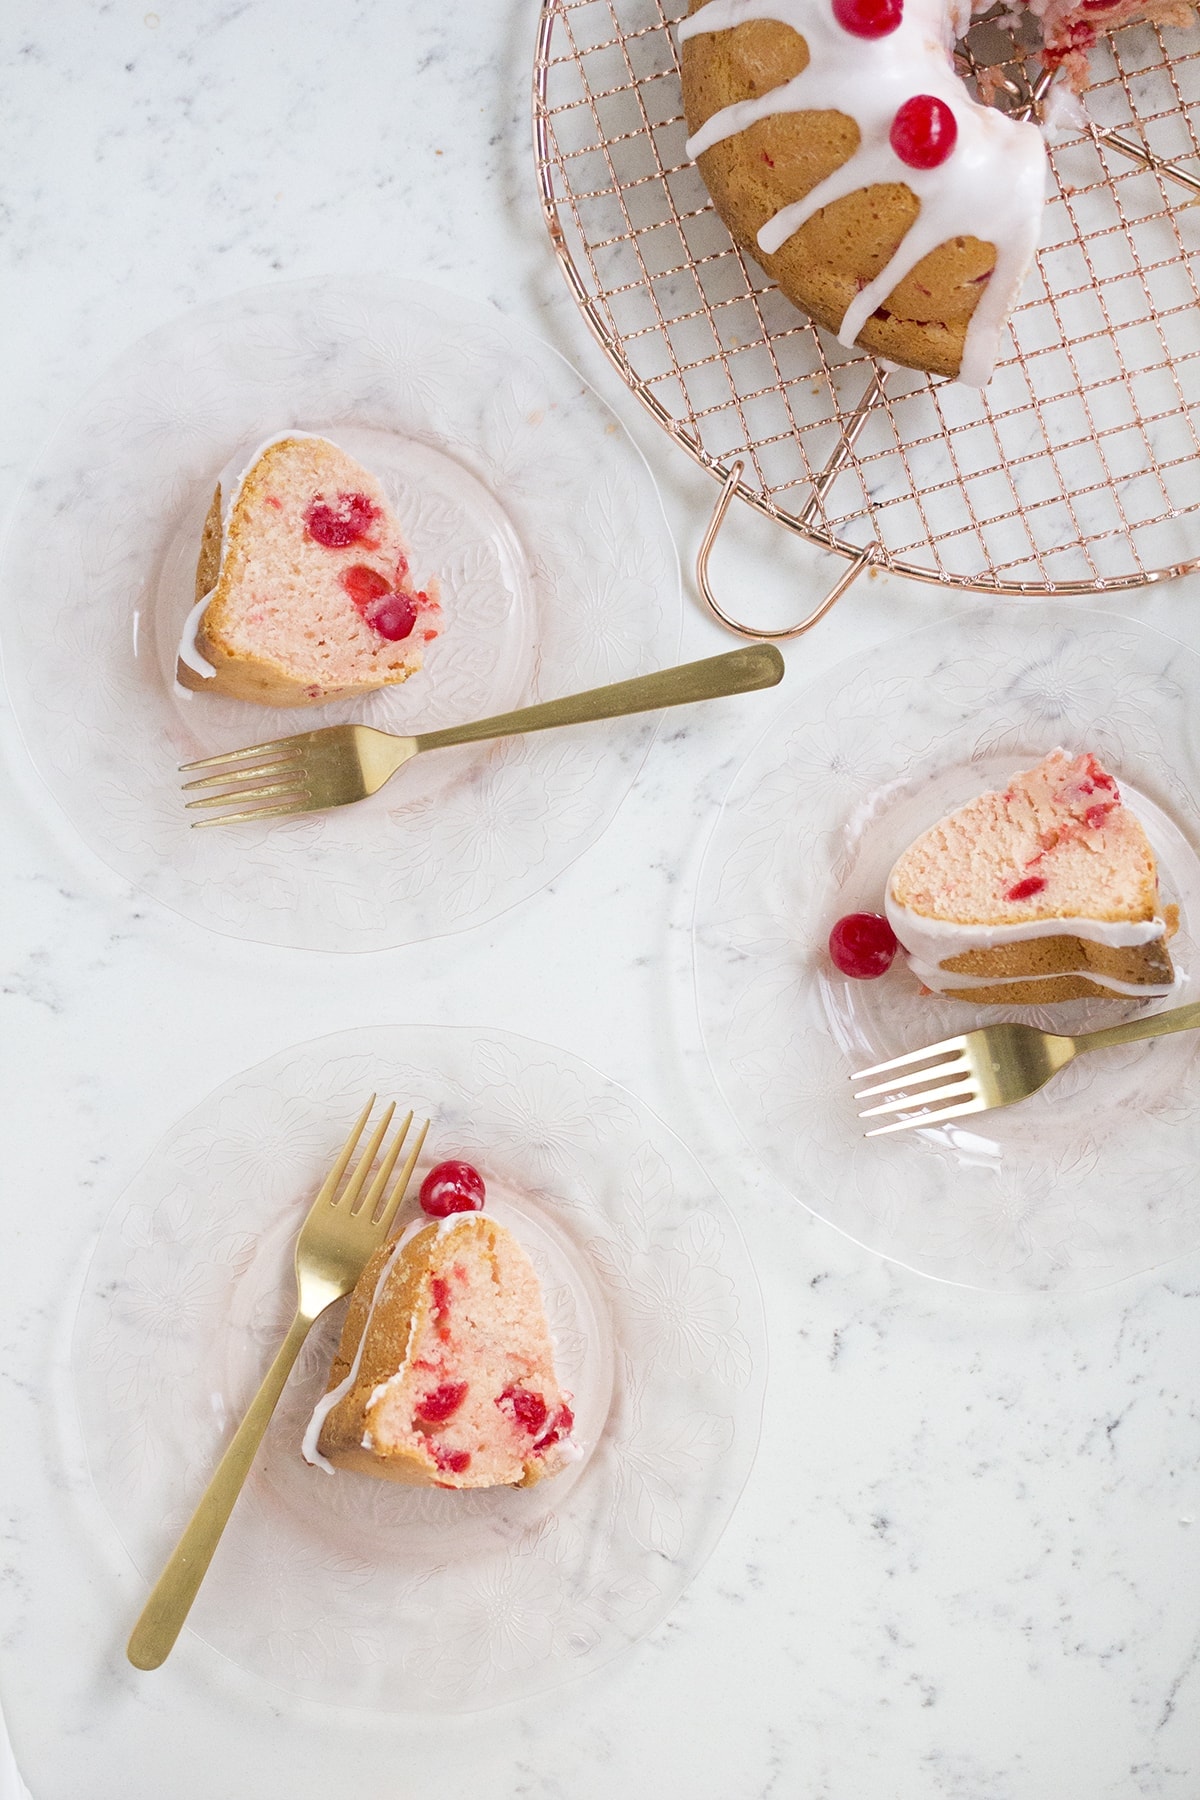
(342, 763)
(994, 1066)
(336, 1240)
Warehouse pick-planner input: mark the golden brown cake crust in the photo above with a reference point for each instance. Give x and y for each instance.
(823, 266)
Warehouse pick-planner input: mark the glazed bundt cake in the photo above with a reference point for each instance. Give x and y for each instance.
(1045, 891)
(845, 154)
(303, 592)
(444, 1376)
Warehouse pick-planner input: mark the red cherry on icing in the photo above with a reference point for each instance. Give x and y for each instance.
(452, 1187)
(863, 945)
(337, 523)
(924, 132)
(868, 18)
(392, 616)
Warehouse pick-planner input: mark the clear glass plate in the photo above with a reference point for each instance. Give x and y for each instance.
(350, 1590)
(1088, 1181)
(517, 489)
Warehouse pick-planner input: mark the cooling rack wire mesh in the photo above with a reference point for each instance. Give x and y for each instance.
(1074, 471)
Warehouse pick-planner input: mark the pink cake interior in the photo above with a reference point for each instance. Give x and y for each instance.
(477, 1392)
(1056, 843)
(316, 575)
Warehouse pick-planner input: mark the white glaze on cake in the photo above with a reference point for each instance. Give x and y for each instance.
(929, 943)
(992, 186)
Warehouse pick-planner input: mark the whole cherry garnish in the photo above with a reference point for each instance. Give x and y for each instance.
(924, 132)
(863, 945)
(868, 18)
(452, 1187)
(337, 523)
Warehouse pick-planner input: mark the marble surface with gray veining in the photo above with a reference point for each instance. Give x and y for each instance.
(967, 1560)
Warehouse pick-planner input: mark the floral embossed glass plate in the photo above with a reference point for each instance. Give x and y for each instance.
(515, 487)
(353, 1591)
(1088, 1181)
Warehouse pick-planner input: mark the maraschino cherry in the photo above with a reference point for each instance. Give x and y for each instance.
(337, 523)
(868, 18)
(924, 132)
(391, 614)
(452, 1187)
(863, 945)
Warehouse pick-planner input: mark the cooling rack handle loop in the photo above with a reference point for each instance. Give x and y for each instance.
(851, 574)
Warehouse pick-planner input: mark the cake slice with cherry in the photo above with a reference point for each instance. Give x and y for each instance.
(303, 588)
(444, 1376)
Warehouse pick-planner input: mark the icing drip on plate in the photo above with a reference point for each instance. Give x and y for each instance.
(992, 187)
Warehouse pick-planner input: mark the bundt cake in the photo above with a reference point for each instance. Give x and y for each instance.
(444, 1375)
(303, 591)
(844, 153)
(1046, 891)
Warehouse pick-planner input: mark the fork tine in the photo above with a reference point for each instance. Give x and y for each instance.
(329, 1186)
(914, 1056)
(354, 1186)
(252, 772)
(286, 788)
(236, 756)
(367, 1209)
(935, 1072)
(979, 1104)
(402, 1181)
(906, 1102)
(259, 812)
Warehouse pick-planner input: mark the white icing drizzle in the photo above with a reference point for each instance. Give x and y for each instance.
(929, 943)
(992, 186)
(189, 650)
(327, 1402)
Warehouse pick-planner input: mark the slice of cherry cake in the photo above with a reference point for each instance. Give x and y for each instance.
(445, 1372)
(303, 591)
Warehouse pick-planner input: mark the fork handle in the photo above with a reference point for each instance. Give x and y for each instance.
(736, 672)
(162, 1618)
(1179, 1018)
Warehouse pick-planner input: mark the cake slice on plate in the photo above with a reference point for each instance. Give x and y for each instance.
(1044, 891)
(303, 591)
(445, 1375)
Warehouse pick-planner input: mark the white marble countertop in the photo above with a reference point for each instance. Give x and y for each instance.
(965, 1564)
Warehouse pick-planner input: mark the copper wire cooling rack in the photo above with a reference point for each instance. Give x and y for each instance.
(1076, 470)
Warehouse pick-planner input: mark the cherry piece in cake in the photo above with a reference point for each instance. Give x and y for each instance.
(336, 524)
(924, 132)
